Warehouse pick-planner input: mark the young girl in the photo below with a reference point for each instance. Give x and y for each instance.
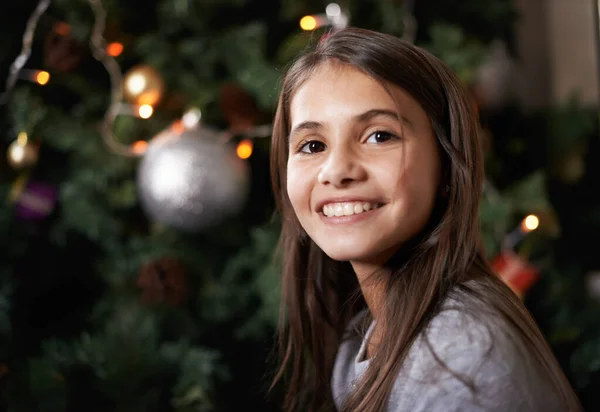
(389, 301)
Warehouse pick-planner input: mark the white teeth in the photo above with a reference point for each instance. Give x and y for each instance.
(338, 209)
(347, 208)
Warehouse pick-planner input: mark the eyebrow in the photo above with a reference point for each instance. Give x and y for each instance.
(359, 118)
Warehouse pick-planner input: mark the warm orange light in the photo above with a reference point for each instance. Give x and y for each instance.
(139, 147)
(62, 28)
(114, 49)
(42, 77)
(308, 23)
(244, 149)
(145, 111)
(178, 126)
(530, 223)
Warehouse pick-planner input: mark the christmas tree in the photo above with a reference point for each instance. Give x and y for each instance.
(137, 228)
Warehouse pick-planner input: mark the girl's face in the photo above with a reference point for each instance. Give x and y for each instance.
(363, 169)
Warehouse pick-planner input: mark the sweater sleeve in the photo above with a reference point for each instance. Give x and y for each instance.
(464, 362)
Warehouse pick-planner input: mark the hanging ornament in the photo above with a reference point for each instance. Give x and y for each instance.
(62, 53)
(515, 271)
(36, 201)
(494, 79)
(22, 153)
(190, 180)
(239, 107)
(165, 280)
(142, 84)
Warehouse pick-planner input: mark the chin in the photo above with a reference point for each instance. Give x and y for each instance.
(357, 252)
(346, 253)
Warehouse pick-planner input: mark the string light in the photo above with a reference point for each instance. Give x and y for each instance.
(23, 56)
(178, 126)
(145, 111)
(308, 23)
(114, 49)
(105, 54)
(333, 16)
(42, 77)
(530, 223)
(139, 147)
(244, 149)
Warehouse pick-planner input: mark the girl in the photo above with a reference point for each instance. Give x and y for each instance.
(389, 301)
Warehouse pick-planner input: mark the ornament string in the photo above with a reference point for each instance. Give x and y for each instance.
(97, 45)
(21, 60)
(98, 48)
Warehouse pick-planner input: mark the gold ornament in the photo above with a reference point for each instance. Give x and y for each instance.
(22, 154)
(143, 85)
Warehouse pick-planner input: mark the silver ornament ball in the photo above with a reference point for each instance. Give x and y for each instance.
(190, 180)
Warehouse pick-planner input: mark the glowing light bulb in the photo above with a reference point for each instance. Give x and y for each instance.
(114, 49)
(136, 83)
(145, 111)
(139, 147)
(244, 149)
(308, 23)
(42, 77)
(178, 126)
(530, 223)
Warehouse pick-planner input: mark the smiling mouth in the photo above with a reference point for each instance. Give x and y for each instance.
(348, 208)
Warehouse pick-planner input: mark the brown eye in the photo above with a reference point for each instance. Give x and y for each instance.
(314, 146)
(380, 137)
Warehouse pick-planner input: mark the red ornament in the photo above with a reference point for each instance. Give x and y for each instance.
(518, 274)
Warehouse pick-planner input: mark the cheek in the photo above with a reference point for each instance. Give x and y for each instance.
(419, 182)
(414, 184)
(298, 188)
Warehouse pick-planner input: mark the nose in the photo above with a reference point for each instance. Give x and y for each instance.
(341, 168)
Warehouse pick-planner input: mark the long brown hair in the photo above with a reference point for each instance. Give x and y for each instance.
(320, 295)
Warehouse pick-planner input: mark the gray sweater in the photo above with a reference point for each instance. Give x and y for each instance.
(480, 347)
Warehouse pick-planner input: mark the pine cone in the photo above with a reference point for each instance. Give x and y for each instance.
(62, 53)
(165, 280)
(239, 107)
